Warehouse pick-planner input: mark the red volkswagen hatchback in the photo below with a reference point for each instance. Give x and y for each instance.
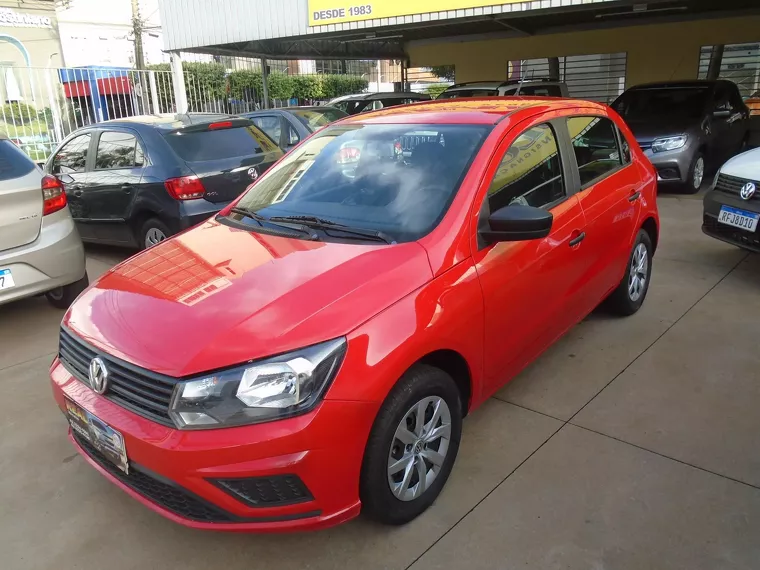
(312, 351)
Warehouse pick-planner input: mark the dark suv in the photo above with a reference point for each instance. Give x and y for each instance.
(686, 127)
(136, 181)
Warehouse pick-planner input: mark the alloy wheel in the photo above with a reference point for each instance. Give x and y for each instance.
(639, 272)
(419, 448)
(154, 236)
(699, 173)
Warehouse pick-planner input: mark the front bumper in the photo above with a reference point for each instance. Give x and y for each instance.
(672, 166)
(713, 201)
(54, 259)
(174, 472)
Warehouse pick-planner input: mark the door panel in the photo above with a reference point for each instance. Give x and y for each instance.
(527, 285)
(113, 184)
(610, 204)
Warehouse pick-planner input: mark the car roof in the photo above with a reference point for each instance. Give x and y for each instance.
(475, 110)
(694, 83)
(497, 84)
(168, 121)
(383, 95)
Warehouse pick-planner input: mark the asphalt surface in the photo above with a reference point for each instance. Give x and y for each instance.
(631, 444)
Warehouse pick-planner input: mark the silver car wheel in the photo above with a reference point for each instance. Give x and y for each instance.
(419, 448)
(154, 236)
(699, 173)
(639, 272)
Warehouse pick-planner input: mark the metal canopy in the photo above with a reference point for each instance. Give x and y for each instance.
(388, 42)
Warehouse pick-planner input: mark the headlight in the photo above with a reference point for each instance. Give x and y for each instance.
(668, 143)
(275, 388)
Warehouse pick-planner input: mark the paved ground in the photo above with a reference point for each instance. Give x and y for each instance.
(631, 444)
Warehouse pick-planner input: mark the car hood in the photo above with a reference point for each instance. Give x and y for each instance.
(217, 296)
(744, 165)
(646, 131)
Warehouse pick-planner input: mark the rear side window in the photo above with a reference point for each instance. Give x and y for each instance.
(530, 173)
(13, 162)
(118, 150)
(219, 144)
(595, 145)
(72, 157)
(270, 124)
(541, 91)
(469, 93)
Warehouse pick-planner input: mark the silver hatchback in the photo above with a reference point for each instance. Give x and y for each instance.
(40, 249)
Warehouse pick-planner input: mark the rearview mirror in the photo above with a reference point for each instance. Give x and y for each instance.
(517, 223)
(721, 113)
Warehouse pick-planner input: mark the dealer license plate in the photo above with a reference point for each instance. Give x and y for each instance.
(100, 435)
(6, 279)
(738, 218)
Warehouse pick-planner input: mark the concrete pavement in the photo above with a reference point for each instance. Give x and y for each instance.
(631, 444)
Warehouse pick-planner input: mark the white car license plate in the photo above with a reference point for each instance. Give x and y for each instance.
(6, 279)
(738, 218)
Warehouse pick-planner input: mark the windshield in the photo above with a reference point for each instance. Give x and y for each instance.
(396, 179)
(469, 93)
(316, 118)
(677, 102)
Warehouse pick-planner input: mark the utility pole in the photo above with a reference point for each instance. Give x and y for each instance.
(137, 27)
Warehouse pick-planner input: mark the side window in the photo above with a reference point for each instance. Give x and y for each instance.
(293, 138)
(270, 124)
(530, 173)
(625, 147)
(735, 98)
(541, 91)
(595, 146)
(117, 150)
(721, 98)
(73, 155)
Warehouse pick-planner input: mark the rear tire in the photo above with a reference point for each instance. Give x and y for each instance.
(152, 232)
(696, 174)
(632, 290)
(400, 450)
(62, 297)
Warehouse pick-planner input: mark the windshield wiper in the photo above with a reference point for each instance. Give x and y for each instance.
(323, 224)
(261, 219)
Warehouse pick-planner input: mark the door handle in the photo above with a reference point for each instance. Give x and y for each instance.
(126, 188)
(578, 239)
(77, 192)
(635, 196)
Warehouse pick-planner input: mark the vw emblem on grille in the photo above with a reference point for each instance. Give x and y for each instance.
(253, 173)
(98, 375)
(747, 191)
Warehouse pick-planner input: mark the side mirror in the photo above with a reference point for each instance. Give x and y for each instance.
(517, 223)
(721, 113)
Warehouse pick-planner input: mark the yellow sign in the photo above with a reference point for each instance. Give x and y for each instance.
(323, 12)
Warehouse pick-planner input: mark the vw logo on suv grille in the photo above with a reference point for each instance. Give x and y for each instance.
(747, 191)
(98, 375)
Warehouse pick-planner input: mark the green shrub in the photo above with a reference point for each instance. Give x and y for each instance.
(436, 89)
(18, 113)
(337, 85)
(308, 87)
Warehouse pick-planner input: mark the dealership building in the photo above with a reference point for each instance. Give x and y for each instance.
(598, 47)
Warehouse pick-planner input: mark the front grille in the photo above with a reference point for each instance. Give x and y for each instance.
(168, 496)
(733, 184)
(275, 491)
(141, 391)
(743, 238)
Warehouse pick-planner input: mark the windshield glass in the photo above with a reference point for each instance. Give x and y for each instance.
(397, 179)
(316, 117)
(678, 102)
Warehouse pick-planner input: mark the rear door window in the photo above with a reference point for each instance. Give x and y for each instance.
(118, 149)
(220, 144)
(14, 163)
(541, 91)
(530, 173)
(595, 146)
(72, 157)
(270, 124)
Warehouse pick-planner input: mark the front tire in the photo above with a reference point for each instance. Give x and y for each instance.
(632, 290)
(62, 297)
(696, 174)
(412, 446)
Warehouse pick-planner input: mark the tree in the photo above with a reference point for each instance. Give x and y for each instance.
(443, 71)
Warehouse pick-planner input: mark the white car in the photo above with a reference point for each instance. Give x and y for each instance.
(732, 206)
(532, 88)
